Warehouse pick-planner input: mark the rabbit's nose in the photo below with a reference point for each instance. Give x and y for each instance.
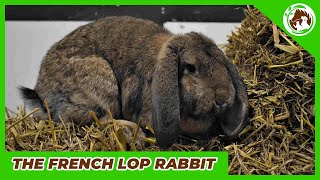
(221, 102)
(223, 97)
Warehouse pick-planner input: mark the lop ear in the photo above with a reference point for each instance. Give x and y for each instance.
(236, 117)
(165, 96)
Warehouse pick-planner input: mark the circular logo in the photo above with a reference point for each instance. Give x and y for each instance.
(299, 19)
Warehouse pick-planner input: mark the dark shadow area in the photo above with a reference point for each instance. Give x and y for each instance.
(157, 14)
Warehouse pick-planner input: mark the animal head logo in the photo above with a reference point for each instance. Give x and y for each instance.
(299, 19)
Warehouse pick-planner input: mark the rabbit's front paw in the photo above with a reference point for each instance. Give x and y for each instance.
(133, 134)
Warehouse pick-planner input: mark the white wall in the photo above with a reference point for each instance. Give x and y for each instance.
(216, 31)
(28, 41)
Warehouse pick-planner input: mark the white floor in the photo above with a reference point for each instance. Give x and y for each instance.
(28, 41)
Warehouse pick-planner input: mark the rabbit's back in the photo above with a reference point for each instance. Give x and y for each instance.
(113, 38)
(121, 51)
(128, 44)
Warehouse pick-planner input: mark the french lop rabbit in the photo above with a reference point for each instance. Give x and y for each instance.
(177, 84)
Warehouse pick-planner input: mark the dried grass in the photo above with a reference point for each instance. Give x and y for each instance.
(279, 75)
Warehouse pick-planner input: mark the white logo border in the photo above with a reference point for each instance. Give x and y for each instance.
(309, 10)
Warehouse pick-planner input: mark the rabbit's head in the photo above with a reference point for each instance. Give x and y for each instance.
(196, 87)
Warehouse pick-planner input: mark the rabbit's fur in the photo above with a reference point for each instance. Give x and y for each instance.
(139, 70)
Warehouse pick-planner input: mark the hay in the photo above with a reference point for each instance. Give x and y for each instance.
(279, 139)
(26, 133)
(279, 75)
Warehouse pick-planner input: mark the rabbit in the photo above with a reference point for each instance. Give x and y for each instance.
(175, 83)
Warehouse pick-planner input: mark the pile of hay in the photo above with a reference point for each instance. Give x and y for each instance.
(26, 133)
(279, 76)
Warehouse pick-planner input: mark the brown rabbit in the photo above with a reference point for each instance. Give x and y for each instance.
(139, 70)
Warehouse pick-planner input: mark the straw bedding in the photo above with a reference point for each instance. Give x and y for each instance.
(279, 139)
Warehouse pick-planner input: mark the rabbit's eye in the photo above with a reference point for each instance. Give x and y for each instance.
(190, 69)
